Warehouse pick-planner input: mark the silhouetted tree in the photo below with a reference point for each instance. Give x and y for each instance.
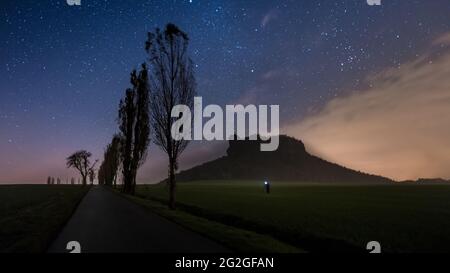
(49, 180)
(134, 125)
(91, 176)
(53, 181)
(72, 181)
(101, 174)
(80, 161)
(114, 154)
(107, 173)
(172, 83)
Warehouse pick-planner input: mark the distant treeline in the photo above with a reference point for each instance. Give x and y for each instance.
(52, 181)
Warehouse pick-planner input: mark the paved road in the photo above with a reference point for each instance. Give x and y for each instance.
(106, 222)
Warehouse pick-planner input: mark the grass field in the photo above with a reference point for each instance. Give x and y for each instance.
(31, 215)
(403, 218)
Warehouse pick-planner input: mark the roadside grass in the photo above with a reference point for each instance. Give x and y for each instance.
(235, 239)
(323, 218)
(32, 215)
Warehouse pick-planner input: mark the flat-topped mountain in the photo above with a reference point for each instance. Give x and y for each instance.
(291, 162)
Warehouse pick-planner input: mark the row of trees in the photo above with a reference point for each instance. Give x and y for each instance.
(52, 181)
(134, 126)
(164, 81)
(108, 171)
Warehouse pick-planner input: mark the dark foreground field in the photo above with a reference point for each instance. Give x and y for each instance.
(403, 218)
(32, 215)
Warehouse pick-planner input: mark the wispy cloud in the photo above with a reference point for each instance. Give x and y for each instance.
(398, 128)
(268, 17)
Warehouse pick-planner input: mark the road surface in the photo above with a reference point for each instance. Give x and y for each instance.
(107, 222)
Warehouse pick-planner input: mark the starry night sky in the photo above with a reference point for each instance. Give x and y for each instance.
(63, 69)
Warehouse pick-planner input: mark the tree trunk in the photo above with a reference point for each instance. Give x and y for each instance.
(133, 182)
(172, 184)
(84, 180)
(127, 182)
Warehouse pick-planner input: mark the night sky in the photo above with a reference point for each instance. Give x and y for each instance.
(63, 70)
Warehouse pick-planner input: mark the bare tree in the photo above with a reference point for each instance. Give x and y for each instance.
(80, 161)
(172, 83)
(134, 125)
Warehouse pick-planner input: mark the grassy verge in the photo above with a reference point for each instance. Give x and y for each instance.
(324, 218)
(32, 215)
(236, 239)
